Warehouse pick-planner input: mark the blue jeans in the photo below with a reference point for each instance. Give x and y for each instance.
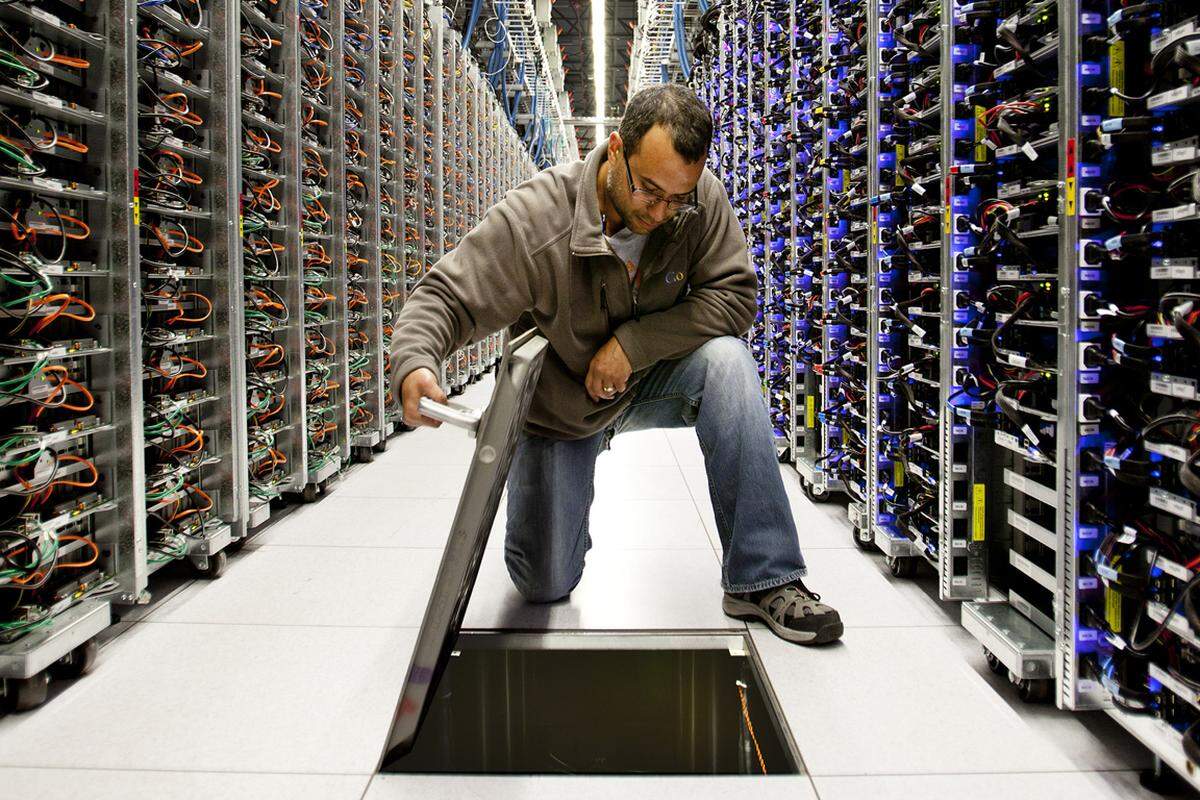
(717, 390)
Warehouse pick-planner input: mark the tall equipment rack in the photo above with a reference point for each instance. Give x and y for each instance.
(188, 267)
(1019, 280)
(269, 177)
(70, 459)
(176, 356)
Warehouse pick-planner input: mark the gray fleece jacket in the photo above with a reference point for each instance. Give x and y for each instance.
(539, 256)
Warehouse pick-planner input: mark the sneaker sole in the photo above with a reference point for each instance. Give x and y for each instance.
(743, 609)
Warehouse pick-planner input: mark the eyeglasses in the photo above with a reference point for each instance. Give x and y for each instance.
(649, 198)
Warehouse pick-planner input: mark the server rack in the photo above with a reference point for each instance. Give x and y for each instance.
(808, 317)
(962, 498)
(1128, 350)
(176, 294)
(272, 265)
(188, 268)
(364, 284)
(70, 460)
(391, 196)
(414, 146)
(1007, 215)
(323, 209)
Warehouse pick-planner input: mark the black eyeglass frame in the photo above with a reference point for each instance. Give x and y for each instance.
(654, 198)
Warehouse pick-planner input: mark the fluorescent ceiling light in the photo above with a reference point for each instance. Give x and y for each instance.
(599, 54)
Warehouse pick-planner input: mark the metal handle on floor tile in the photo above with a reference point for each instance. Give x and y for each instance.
(456, 415)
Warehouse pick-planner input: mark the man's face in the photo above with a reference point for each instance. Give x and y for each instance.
(655, 168)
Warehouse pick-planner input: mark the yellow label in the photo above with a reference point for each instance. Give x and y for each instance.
(898, 474)
(1116, 76)
(1071, 196)
(241, 226)
(981, 151)
(1112, 609)
(946, 216)
(874, 232)
(901, 152)
(137, 210)
(978, 507)
(810, 412)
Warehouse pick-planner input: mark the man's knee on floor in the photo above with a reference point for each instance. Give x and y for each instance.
(538, 586)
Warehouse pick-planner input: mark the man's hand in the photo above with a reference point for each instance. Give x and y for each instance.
(608, 373)
(420, 383)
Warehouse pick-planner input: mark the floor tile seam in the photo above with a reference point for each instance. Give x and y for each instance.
(989, 773)
(289, 625)
(160, 770)
(596, 545)
(313, 626)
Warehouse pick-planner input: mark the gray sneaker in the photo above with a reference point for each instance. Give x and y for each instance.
(791, 611)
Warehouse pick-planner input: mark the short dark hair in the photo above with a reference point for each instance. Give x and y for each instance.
(677, 109)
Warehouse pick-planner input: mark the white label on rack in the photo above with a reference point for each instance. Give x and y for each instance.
(1177, 571)
(1029, 152)
(1086, 584)
(1172, 451)
(919, 189)
(1183, 387)
(1168, 97)
(47, 183)
(1029, 434)
(959, 505)
(918, 330)
(1173, 504)
(53, 102)
(46, 17)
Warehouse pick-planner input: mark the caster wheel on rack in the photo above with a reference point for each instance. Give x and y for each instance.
(380, 446)
(817, 495)
(862, 539)
(26, 694)
(1161, 779)
(364, 455)
(1034, 691)
(217, 562)
(995, 664)
(309, 493)
(902, 567)
(76, 663)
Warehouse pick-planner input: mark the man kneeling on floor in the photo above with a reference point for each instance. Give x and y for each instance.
(632, 265)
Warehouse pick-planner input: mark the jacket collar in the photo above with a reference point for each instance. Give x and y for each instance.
(587, 239)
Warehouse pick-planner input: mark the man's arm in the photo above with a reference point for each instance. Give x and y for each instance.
(721, 302)
(481, 286)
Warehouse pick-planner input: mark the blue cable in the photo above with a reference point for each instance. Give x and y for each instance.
(685, 62)
(476, 7)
